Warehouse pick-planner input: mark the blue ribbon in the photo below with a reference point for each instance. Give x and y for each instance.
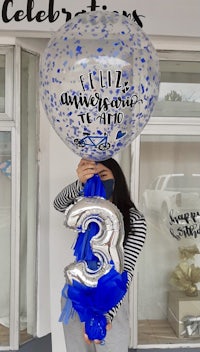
(82, 249)
(91, 303)
(94, 187)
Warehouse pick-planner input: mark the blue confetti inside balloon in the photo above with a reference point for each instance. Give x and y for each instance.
(99, 82)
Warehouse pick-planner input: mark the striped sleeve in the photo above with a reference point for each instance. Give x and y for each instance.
(132, 248)
(67, 196)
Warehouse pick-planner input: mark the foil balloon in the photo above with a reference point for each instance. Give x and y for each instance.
(99, 81)
(106, 245)
(96, 282)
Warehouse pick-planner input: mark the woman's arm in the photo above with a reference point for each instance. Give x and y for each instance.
(132, 249)
(85, 170)
(67, 196)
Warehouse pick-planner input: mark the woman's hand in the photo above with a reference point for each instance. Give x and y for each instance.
(85, 170)
(97, 342)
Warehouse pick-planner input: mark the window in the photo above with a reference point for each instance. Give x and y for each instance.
(169, 196)
(18, 200)
(161, 321)
(179, 94)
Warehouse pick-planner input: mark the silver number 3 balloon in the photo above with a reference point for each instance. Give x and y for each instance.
(107, 244)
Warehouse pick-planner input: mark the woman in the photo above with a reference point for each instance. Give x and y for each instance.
(117, 338)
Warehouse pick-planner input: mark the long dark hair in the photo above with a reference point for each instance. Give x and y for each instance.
(121, 196)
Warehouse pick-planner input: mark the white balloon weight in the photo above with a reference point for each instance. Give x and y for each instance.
(99, 81)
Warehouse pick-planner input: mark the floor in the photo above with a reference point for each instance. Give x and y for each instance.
(4, 336)
(160, 332)
(150, 332)
(37, 345)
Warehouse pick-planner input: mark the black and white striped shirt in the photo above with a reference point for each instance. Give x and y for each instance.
(134, 242)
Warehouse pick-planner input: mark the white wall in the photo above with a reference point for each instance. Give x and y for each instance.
(62, 171)
(57, 169)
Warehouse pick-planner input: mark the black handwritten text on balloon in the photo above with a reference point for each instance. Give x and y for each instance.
(102, 104)
(185, 225)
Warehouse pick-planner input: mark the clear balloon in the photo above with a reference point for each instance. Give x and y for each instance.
(99, 79)
(107, 244)
(184, 224)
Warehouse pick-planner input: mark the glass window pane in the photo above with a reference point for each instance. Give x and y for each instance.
(2, 83)
(5, 234)
(179, 94)
(169, 284)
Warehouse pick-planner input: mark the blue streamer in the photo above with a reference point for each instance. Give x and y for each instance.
(94, 187)
(82, 248)
(110, 290)
(67, 311)
(91, 303)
